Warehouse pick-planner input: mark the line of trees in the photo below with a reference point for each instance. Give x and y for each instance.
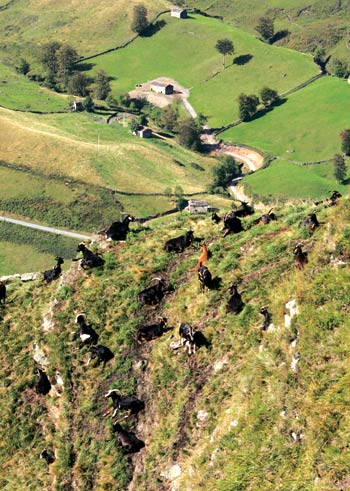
(248, 104)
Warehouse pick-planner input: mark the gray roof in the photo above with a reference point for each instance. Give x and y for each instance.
(160, 84)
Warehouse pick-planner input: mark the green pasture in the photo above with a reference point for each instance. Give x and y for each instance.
(283, 180)
(305, 128)
(18, 92)
(27, 24)
(77, 146)
(24, 249)
(185, 51)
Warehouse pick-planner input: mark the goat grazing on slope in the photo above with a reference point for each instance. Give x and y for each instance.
(235, 303)
(178, 244)
(300, 258)
(232, 224)
(151, 331)
(119, 230)
(127, 439)
(2, 292)
(203, 258)
(86, 333)
(89, 259)
(43, 385)
(123, 403)
(310, 222)
(55, 272)
(153, 294)
(205, 278)
(101, 353)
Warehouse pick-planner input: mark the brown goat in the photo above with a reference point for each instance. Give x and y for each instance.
(203, 258)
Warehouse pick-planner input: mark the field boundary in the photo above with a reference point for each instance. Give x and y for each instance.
(284, 94)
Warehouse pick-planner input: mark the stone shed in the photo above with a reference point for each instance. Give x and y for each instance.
(161, 88)
(198, 206)
(179, 13)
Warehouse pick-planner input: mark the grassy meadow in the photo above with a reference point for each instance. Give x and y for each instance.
(305, 128)
(26, 23)
(224, 415)
(185, 51)
(283, 181)
(18, 92)
(74, 145)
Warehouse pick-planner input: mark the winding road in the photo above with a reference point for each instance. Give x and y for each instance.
(51, 230)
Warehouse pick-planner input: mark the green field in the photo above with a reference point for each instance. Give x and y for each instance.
(18, 92)
(305, 128)
(185, 51)
(283, 180)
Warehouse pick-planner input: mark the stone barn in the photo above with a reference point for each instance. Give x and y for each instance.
(161, 88)
(143, 132)
(197, 206)
(179, 13)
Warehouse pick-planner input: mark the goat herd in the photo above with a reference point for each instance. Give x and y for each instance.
(190, 339)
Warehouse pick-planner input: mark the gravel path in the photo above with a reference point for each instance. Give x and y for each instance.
(45, 229)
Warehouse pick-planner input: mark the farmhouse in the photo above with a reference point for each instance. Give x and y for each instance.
(179, 13)
(161, 88)
(143, 132)
(197, 206)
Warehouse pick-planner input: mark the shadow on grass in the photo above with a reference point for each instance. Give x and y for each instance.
(267, 109)
(279, 35)
(242, 59)
(153, 29)
(84, 67)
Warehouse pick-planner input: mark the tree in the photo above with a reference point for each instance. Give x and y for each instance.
(168, 119)
(23, 67)
(225, 172)
(225, 47)
(268, 96)
(339, 68)
(319, 56)
(265, 28)
(66, 56)
(339, 167)
(89, 104)
(78, 84)
(247, 106)
(345, 141)
(139, 22)
(134, 124)
(188, 134)
(103, 87)
(48, 58)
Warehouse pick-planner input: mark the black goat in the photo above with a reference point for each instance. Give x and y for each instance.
(118, 230)
(205, 278)
(86, 333)
(332, 200)
(153, 294)
(101, 353)
(89, 259)
(300, 257)
(124, 403)
(152, 331)
(128, 440)
(267, 218)
(235, 303)
(216, 218)
(244, 210)
(55, 272)
(43, 385)
(2, 292)
(232, 224)
(47, 457)
(267, 318)
(178, 244)
(310, 222)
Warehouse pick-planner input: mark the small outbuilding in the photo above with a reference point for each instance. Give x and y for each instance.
(161, 88)
(77, 106)
(197, 206)
(179, 13)
(143, 132)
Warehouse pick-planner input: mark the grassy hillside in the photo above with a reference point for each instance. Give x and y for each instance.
(225, 415)
(283, 180)
(305, 128)
(25, 24)
(310, 23)
(185, 50)
(76, 146)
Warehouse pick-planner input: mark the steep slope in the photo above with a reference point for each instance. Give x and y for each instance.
(252, 410)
